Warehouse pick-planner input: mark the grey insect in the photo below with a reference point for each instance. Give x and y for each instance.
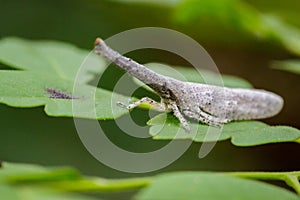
(212, 105)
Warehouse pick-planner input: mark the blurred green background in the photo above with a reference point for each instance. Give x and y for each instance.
(28, 135)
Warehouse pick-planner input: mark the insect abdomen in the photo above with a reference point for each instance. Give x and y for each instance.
(252, 104)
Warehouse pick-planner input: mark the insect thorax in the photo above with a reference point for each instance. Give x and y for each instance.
(163, 91)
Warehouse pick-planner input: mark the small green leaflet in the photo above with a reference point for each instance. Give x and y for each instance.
(241, 133)
(53, 65)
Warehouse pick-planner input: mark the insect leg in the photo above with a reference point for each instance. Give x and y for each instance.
(205, 118)
(178, 114)
(156, 105)
(212, 118)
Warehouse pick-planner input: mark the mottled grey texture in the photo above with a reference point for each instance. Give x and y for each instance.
(57, 94)
(212, 105)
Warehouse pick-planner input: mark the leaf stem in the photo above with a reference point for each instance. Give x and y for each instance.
(102, 185)
(297, 140)
(70, 180)
(293, 182)
(89, 184)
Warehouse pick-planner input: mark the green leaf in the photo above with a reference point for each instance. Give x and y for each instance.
(37, 193)
(10, 174)
(50, 69)
(56, 58)
(63, 179)
(241, 133)
(28, 173)
(37, 182)
(292, 66)
(210, 186)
